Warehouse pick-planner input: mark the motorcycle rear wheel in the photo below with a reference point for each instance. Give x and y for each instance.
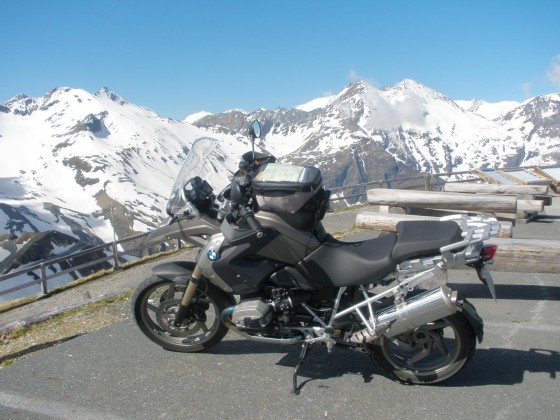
(431, 353)
(155, 303)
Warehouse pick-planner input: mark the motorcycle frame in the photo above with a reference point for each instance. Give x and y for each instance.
(399, 292)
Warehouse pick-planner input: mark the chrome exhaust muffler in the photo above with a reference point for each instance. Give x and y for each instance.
(413, 313)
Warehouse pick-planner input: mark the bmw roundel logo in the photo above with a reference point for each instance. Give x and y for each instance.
(213, 255)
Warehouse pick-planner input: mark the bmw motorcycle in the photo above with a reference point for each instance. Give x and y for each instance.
(269, 271)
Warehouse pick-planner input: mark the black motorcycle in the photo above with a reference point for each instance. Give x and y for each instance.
(267, 270)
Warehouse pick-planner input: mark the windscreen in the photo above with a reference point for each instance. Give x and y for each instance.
(201, 162)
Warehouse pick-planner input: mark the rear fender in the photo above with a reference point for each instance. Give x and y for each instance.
(470, 313)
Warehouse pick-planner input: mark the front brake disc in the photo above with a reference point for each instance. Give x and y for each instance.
(166, 313)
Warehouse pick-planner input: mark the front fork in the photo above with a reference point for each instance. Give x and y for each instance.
(196, 277)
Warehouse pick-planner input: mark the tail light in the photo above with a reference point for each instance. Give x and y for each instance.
(488, 252)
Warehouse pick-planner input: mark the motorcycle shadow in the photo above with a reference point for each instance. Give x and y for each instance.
(318, 365)
(495, 366)
(508, 291)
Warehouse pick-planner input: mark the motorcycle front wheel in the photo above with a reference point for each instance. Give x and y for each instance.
(431, 353)
(155, 303)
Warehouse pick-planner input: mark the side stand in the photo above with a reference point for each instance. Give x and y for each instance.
(305, 349)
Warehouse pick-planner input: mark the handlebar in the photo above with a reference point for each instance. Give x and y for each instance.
(249, 217)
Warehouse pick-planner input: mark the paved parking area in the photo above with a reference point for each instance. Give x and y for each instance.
(117, 372)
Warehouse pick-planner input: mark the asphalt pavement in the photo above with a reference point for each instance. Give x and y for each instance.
(116, 372)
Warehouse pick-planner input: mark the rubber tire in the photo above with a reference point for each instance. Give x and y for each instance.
(150, 328)
(467, 346)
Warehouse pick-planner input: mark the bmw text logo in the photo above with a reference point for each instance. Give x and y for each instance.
(213, 255)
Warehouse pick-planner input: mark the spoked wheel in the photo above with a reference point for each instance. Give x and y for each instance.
(429, 354)
(155, 304)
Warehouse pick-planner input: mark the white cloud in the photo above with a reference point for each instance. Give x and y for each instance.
(354, 76)
(553, 72)
(526, 89)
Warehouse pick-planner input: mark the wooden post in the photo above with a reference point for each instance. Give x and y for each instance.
(530, 206)
(442, 200)
(527, 255)
(554, 181)
(388, 222)
(466, 187)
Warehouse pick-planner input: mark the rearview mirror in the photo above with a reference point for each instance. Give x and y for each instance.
(255, 130)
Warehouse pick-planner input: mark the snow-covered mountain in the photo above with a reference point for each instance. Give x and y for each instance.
(488, 110)
(87, 165)
(71, 158)
(364, 134)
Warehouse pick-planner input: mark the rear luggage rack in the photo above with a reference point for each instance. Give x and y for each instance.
(476, 229)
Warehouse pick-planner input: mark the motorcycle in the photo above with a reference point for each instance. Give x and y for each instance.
(269, 271)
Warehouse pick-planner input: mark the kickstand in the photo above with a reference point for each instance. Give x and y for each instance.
(304, 352)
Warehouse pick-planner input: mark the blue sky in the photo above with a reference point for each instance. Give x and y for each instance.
(180, 57)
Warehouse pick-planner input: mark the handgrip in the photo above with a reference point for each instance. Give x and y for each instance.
(249, 217)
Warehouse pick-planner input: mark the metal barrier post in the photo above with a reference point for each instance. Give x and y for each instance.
(115, 257)
(427, 186)
(44, 291)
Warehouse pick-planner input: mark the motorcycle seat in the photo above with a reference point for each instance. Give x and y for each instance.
(417, 238)
(338, 264)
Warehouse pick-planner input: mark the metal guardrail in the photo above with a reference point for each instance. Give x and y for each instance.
(111, 248)
(429, 182)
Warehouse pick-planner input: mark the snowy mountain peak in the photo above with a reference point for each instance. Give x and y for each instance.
(314, 104)
(108, 93)
(21, 105)
(488, 110)
(542, 108)
(357, 88)
(192, 118)
(408, 88)
(410, 84)
(18, 97)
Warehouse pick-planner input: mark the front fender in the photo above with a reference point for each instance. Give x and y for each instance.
(180, 272)
(469, 311)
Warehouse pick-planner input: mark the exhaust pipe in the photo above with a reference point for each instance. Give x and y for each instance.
(413, 313)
